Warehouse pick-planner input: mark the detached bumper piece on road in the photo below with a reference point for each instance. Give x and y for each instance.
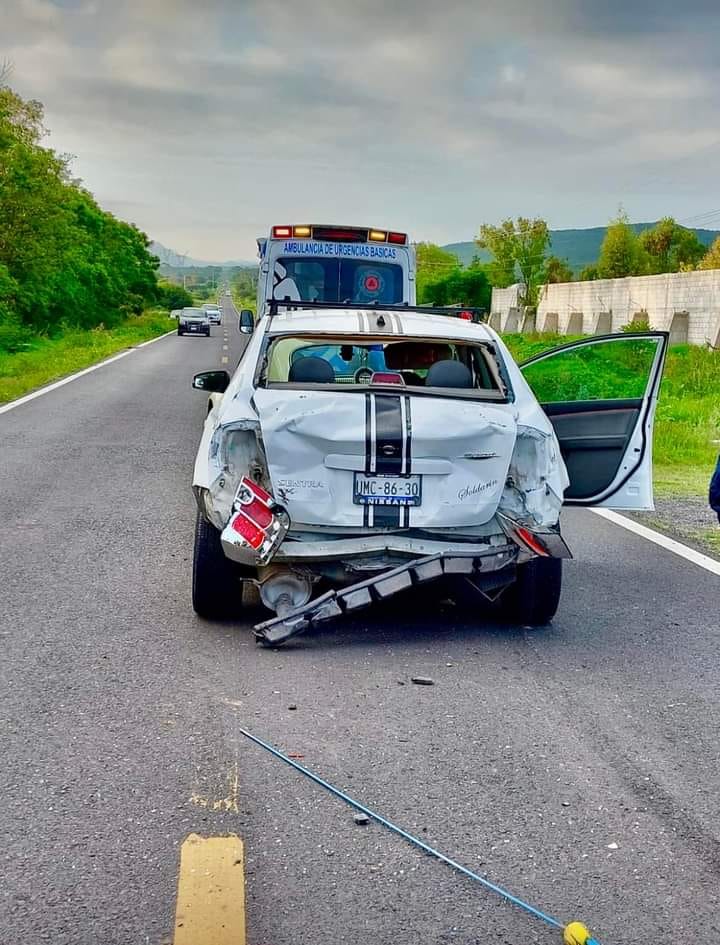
(335, 603)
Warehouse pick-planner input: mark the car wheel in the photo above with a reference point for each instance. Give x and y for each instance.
(533, 597)
(180, 332)
(216, 588)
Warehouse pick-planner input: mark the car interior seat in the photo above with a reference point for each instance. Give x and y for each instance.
(449, 374)
(311, 370)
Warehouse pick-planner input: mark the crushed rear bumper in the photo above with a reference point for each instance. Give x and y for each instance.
(334, 603)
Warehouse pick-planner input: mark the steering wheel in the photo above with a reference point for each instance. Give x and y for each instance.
(363, 375)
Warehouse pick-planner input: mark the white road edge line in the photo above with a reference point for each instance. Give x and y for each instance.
(669, 544)
(73, 377)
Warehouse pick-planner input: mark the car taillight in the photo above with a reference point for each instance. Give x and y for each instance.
(258, 512)
(533, 543)
(256, 527)
(253, 535)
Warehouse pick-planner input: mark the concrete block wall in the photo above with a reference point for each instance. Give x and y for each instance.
(687, 304)
(503, 301)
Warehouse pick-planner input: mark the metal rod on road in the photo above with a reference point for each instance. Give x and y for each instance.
(405, 835)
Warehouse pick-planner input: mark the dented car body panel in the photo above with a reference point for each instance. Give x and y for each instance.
(369, 463)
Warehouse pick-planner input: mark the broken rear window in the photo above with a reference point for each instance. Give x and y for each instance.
(419, 364)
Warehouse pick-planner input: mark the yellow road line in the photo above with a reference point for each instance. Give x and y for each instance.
(210, 907)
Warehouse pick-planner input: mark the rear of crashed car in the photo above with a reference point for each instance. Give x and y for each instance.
(356, 453)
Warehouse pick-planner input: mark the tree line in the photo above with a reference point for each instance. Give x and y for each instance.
(63, 259)
(520, 253)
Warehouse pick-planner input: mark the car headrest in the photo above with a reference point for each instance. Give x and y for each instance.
(448, 374)
(311, 370)
(408, 355)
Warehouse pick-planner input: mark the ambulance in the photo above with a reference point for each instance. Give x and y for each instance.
(345, 264)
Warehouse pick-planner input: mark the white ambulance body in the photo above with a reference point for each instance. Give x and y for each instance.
(346, 264)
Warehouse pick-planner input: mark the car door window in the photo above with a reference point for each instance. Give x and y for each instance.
(599, 395)
(606, 369)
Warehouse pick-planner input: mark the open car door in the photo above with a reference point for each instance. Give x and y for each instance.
(600, 396)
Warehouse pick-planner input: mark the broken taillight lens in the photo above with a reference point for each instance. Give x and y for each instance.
(252, 534)
(256, 527)
(532, 542)
(254, 502)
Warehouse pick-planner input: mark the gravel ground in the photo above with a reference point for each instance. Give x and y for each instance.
(687, 518)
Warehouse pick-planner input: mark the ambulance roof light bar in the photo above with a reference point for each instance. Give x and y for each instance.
(339, 234)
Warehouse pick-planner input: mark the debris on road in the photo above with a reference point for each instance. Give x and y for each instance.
(361, 819)
(422, 681)
(574, 933)
(292, 708)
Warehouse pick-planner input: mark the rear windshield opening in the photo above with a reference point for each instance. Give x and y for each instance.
(337, 280)
(432, 364)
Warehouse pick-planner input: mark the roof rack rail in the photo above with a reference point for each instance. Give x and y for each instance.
(457, 311)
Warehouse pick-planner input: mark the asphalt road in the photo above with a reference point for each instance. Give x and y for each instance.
(577, 765)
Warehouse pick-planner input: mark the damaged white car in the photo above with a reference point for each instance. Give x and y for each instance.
(358, 451)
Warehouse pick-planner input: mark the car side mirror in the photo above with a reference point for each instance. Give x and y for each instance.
(247, 321)
(211, 381)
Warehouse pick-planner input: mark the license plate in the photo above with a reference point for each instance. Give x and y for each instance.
(387, 490)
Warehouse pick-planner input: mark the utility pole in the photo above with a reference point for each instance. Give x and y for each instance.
(183, 256)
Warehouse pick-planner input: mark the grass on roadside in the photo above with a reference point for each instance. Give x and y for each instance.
(47, 359)
(687, 421)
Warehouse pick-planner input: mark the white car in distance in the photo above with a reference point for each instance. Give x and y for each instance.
(213, 313)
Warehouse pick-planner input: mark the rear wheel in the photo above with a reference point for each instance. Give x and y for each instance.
(532, 599)
(216, 587)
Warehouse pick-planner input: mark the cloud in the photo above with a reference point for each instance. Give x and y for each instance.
(206, 121)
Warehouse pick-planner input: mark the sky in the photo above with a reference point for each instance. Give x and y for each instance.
(206, 122)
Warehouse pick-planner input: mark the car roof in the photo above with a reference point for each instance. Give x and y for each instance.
(365, 322)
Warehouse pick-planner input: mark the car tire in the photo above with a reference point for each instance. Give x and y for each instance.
(180, 332)
(533, 597)
(216, 588)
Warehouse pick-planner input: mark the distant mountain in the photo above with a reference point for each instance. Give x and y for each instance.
(579, 247)
(172, 259)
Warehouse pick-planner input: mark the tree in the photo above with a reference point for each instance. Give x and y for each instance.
(557, 270)
(670, 247)
(469, 286)
(588, 273)
(433, 265)
(518, 246)
(711, 259)
(174, 296)
(62, 258)
(620, 253)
